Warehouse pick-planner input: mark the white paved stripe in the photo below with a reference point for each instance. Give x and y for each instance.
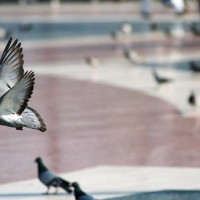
(110, 181)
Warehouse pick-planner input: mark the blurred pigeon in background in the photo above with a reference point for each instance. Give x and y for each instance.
(25, 27)
(92, 61)
(133, 56)
(195, 28)
(194, 67)
(16, 88)
(80, 194)
(126, 28)
(161, 80)
(50, 179)
(167, 3)
(6, 33)
(192, 99)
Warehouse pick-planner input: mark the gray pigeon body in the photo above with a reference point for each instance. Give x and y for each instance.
(16, 88)
(50, 179)
(80, 194)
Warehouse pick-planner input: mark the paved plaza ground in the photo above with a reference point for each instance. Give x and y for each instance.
(110, 127)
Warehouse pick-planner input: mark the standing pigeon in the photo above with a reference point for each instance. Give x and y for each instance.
(16, 88)
(79, 194)
(161, 80)
(93, 62)
(50, 179)
(192, 99)
(133, 56)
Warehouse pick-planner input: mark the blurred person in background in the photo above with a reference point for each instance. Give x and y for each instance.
(146, 8)
(179, 6)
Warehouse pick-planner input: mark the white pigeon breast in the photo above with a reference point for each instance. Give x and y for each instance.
(12, 118)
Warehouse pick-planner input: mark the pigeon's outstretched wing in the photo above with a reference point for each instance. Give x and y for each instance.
(11, 66)
(15, 100)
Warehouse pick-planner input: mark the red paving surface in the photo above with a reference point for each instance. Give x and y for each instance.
(92, 124)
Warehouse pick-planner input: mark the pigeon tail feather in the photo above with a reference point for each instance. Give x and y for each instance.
(65, 185)
(32, 119)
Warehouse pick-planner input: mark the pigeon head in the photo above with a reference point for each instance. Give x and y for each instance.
(41, 166)
(38, 159)
(75, 184)
(77, 190)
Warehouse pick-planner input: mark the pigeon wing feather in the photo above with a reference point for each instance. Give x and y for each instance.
(15, 100)
(47, 177)
(11, 66)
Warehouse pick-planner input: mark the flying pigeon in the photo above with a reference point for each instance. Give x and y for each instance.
(16, 88)
(80, 194)
(194, 67)
(161, 80)
(50, 179)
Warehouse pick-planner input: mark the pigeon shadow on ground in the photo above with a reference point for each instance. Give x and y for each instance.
(162, 195)
(36, 194)
(122, 192)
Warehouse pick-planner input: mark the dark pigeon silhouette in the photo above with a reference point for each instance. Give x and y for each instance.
(25, 27)
(154, 26)
(16, 88)
(195, 28)
(50, 179)
(133, 56)
(92, 61)
(192, 99)
(194, 67)
(161, 80)
(80, 194)
(116, 34)
(167, 3)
